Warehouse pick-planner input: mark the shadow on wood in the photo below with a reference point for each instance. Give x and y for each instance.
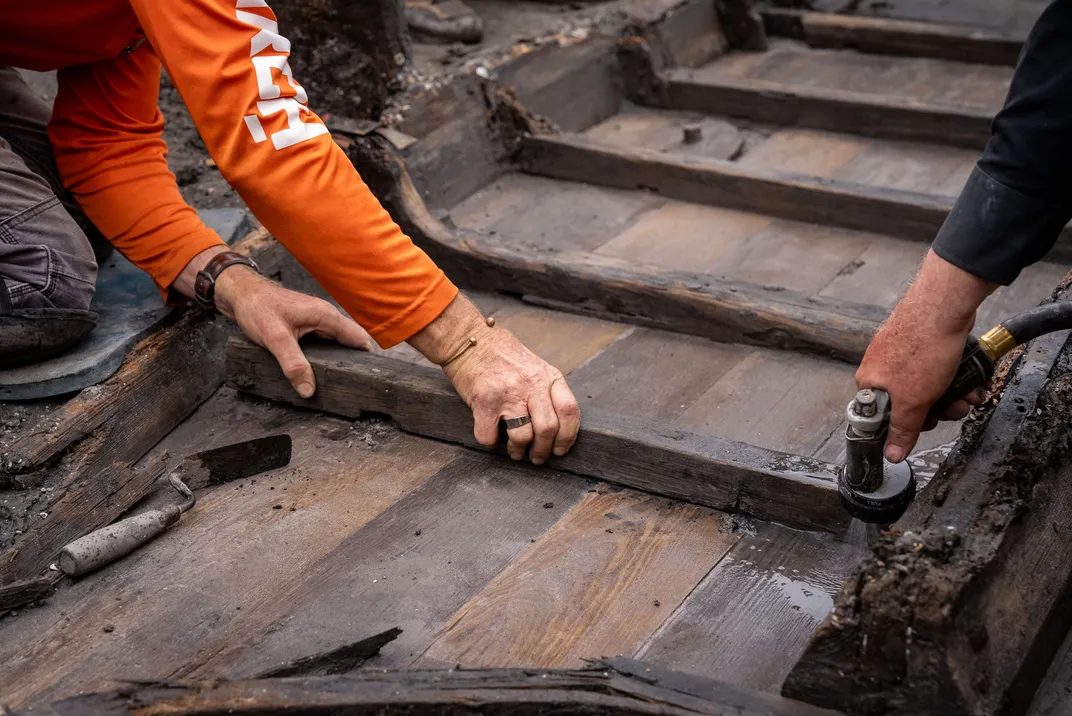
(708, 471)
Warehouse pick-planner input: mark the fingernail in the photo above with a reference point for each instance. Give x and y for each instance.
(305, 390)
(538, 460)
(560, 451)
(894, 453)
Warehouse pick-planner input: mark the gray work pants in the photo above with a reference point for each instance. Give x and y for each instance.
(46, 255)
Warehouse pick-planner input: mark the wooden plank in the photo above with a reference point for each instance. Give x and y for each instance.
(13, 596)
(803, 151)
(412, 567)
(597, 584)
(907, 166)
(731, 185)
(899, 214)
(1054, 695)
(617, 686)
(751, 617)
(889, 36)
(838, 110)
(162, 381)
(943, 596)
(664, 132)
(632, 452)
(792, 255)
(609, 288)
(214, 579)
(686, 237)
(653, 374)
(775, 400)
(565, 341)
(535, 212)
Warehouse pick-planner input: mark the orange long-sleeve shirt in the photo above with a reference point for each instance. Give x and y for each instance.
(229, 63)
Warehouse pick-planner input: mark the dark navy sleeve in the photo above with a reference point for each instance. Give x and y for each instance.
(1019, 196)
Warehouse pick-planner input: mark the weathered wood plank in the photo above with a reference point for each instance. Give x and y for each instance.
(16, 595)
(751, 618)
(636, 453)
(163, 380)
(412, 567)
(602, 286)
(939, 619)
(598, 583)
(214, 580)
(906, 215)
(618, 687)
(890, 36)
(872, 115)
(653, 374)
(899, 214)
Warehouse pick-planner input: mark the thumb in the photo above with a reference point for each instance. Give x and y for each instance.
(284, 346)
(902, 437)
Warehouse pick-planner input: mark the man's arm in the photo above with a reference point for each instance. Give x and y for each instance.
(1008, 216)
(230, 64)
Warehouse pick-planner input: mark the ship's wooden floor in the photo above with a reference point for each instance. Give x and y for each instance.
(479, 561)
(483, 562)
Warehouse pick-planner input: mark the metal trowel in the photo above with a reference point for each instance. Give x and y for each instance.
(211, 467)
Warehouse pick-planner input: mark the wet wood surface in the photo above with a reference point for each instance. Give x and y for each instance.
(558, 605)
(751, 618)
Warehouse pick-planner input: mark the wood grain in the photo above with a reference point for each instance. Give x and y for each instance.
(889, 36)
(653, 374)
(899, 214)
(564, 341)
(633, 452)
(751, 618)
(597, 584)
(610, 288)
(214, 579)
(411, 567)
(616, 686)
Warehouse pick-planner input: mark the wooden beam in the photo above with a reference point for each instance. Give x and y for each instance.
(901, 214)
(835, 110)
(961, 609)
(621, 290)
(13, 596)
(653, 457)
(619, 687)
(888, 36)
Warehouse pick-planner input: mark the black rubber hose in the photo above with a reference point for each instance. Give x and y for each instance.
(1039, 321)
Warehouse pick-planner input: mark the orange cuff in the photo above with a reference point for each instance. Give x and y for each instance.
(417, 315)
(177, 261)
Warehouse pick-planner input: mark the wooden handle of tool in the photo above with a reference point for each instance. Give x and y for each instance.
(108, 544)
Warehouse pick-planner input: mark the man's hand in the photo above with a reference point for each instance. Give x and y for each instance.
(275, 318)
(915, 354)
(500, 378)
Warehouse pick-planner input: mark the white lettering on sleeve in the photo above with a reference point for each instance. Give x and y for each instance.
(253, 124)
(268, 35)
(297, 130)
(269, 93)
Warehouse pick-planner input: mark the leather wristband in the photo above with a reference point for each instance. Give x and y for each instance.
(205, 283)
